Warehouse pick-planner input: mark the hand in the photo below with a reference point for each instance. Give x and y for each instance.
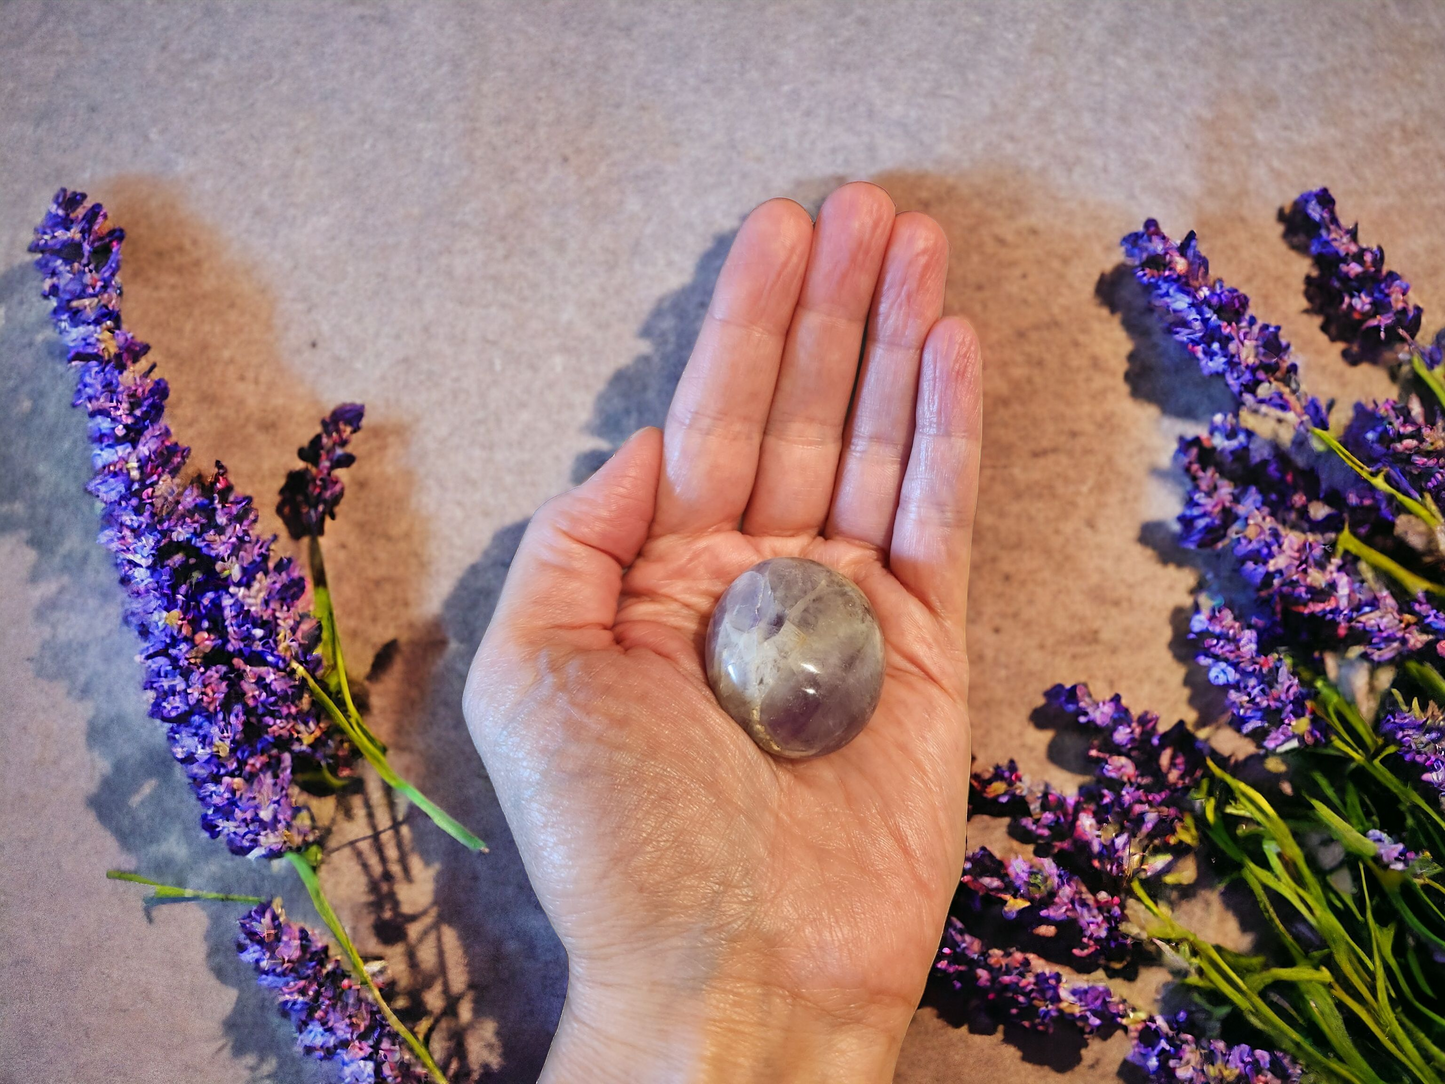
(728, 915)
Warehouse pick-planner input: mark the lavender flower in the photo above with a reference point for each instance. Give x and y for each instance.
(1052, 903)
(1016, 987)
(1264, 694)
(334, 1017)
(1232, 473)
(219, 616)
(1213, 322)
(1223, 485)
(1363, 305)
(1394, 854)
(1297, 571)
(311, 493)
(998, 789)
(1130, 821)
(1420, 734)
(1170, 1055)
(1395, 438)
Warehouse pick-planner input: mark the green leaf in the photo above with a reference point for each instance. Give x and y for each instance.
(1239, 962)
(1418, 972)
(1357, 844)
(1322, 781)
(173, 892)
(1322, 1008)
(1260, 979)
(377, 759)
(1402, 984)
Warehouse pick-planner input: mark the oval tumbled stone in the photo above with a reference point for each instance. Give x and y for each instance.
(795, 655)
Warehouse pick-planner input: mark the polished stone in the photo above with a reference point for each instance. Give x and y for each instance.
(795, 655)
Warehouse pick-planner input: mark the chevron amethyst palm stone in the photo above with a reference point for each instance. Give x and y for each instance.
(795, 655)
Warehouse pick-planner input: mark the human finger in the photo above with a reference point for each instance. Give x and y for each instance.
(798, 461)
(567, 572)
(933, 530)
(715, 423)
(907, 303)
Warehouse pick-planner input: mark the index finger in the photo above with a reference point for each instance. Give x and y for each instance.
(715, 424)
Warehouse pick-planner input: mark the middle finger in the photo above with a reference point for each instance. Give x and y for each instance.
(799, 456)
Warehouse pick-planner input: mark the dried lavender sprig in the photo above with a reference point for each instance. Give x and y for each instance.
(1171, 1055)
(1297, 549)
(311, 493)
(1214, 323)
(219, 616)
(1017, 987)
(1052, 903)
(308, 497)
(1133, 819)
(1420, 734)
(305, 867)
(334, 1017)
(1362, 304)
(1265, 697)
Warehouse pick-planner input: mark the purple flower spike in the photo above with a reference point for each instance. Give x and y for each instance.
(1395, 438)
(1420, 734)
(220, 618)
(1363, 305)
(1052, 903)
(1213, 322)
(1016, 987)
(1391, 852)
(311, 493)
(334, 1017)
(1128, 821)
(1266, 699)
(1170, 1055)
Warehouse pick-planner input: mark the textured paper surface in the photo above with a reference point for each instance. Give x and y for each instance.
(498, 226)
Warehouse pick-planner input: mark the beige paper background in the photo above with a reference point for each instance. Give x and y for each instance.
(497, 225)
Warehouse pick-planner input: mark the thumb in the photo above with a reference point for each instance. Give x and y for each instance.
(567, 573)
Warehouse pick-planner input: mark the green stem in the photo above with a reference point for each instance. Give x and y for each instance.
(1248, 1001)
(331, 652)
(1426, 375)
(1375, 479)
(307, 873)
(1336, 707)
(1394, 785)
(1429, 677)
(1411, 582)
(324, 777)
(173, 892)
(1399, 1039)
(376, 757)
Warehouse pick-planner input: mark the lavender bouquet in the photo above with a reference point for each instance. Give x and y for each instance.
(1319, 622)
(242, 656)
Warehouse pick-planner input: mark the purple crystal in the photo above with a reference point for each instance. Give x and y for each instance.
(795, 655)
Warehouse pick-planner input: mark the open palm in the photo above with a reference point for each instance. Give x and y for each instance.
(702, 888)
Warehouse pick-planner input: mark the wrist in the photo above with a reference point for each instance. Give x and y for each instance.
(718, 1031)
